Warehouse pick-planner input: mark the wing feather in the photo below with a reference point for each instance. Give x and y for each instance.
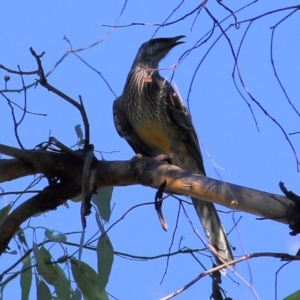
(126, 131)
(180, 118)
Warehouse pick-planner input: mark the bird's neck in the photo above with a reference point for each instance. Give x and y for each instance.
(140, 76)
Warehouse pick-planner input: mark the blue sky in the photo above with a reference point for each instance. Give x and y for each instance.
(223, 121)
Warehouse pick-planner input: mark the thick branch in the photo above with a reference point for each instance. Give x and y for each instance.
(48, 199)
(153, 173)
(149, 172)
(32, 162)
(65, 171)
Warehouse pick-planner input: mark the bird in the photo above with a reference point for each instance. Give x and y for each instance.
(153, 119)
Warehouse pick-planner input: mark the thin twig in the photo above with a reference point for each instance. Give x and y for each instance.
(282, 256)
(273, 63)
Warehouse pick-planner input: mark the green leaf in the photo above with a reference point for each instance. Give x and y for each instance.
(55, 237)
(43, 291)
(26, 279)
(76, 295)
(294, 296)
(21, 236)
(102, 201)
(44, 266)
(77, 198)
(48, 233)
(104, 296)
(13, 252)
(86, 279)
(63, 286)
(52, 273)
(79, 131)
(62, 259)
(51, 276)
(105, 254)
(4, 212)
(38, 257)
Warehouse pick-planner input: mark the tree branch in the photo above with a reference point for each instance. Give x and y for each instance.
(153, 173)
(65, 171)
(48, 199)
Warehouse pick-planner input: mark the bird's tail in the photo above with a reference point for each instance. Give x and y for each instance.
(214, 230)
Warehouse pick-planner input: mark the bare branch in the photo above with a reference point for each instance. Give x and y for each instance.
(86, 125)
(16, 124)
(297, 7)
(281, 256)
(43, 81)
(19, 72)
(157, 24)
(273, 63)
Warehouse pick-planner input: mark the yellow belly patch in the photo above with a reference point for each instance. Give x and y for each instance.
(154, 137)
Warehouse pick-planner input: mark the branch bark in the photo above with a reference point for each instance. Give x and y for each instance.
(68, 169)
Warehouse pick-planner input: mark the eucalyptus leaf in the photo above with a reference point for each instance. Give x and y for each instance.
(294, 296)
(102, 200)
(86, 279)
(43, 291)
(79, 132)
(105, 254)
(26, 279)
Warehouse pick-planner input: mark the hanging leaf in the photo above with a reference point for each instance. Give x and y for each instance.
(43, 291)
(76, 295)
(105, 254)
(21, 236)
(86, 279)
(62, 286)
(26, 279)
(294, 296)
(55, 237)
(79, 132)
(102, 200)
(77, 198)
(44, 266)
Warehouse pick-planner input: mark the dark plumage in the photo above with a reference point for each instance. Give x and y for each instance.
(152, 118)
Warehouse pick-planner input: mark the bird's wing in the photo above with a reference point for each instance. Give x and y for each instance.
(181, 120)
(126, 131)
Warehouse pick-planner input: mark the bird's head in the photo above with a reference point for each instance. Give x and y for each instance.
(153, 51)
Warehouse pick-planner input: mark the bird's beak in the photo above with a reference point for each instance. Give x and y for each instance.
(172, 42)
